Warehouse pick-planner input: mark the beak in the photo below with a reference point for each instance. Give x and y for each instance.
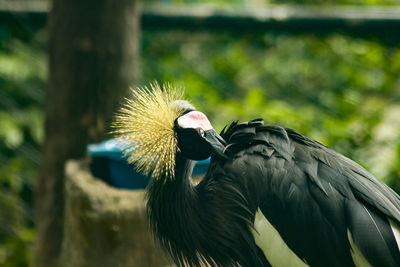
(216, 143)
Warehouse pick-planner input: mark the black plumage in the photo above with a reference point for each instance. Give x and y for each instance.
(312, 195)
(188, 222)
(271, 197)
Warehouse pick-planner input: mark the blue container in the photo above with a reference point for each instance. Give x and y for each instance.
(201, 167)
(109, 164)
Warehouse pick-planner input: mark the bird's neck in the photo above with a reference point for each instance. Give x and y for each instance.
(171, 207)
(205, 223)
(177, 191)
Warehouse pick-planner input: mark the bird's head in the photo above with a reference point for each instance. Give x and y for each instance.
(156, 124)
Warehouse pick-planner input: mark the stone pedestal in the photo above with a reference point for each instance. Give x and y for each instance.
(105, 226)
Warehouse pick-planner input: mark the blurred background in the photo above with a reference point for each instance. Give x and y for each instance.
(338, 82)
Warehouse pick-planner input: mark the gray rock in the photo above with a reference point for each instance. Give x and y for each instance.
(105, 226)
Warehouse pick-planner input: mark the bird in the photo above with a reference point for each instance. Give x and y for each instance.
(270, 197)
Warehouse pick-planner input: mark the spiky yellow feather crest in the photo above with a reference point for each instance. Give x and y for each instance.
(146, 123)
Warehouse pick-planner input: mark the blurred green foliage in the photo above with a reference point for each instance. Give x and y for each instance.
(291, 2)
(336, 89)
(341, 2)
(22, 83)
(339, 90)
(264, 2)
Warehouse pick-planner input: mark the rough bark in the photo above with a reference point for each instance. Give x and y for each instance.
(93, 54)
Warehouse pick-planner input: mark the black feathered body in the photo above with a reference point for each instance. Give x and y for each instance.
(195, 223)
(318, 200)
(327, 209)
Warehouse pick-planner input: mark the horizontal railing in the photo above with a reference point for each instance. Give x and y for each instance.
(380, 22)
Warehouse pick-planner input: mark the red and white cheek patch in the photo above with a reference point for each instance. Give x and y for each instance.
(194, 119)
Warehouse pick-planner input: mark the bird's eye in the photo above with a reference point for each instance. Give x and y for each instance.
(200, 131)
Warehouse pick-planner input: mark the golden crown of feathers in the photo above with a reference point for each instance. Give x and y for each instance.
(145, 123)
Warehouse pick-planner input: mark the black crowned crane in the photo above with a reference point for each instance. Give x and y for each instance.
(270, 197)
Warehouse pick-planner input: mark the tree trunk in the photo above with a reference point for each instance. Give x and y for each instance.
(93, 55)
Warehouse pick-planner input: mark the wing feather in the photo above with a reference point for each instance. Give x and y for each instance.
(315, 197)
